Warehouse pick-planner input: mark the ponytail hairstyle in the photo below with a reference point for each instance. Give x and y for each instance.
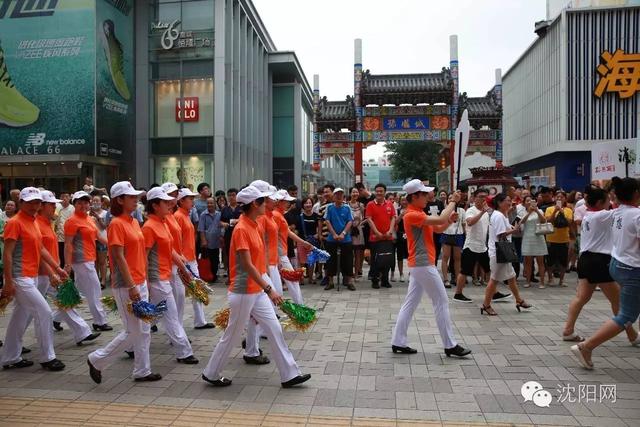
(497, 199)
(593, 195)
(625, 188)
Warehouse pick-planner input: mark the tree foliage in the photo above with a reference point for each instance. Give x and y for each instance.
(413, 159)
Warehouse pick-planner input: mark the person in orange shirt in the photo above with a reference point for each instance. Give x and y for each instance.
(251, 296)
(127, 259)
(22, 257)
(44, 220)
(158, 242)
(80, 235)
(284, 232)
(188, 232)
(424, 276)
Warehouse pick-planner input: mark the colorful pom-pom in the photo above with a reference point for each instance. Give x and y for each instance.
(198, 290)
(301, 317)
(317, 256)
(67, 296)
(296, 275)
(109, 302)
(146, 311)
(221, 318)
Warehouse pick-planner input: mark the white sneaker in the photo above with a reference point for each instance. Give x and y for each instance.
(401, 278)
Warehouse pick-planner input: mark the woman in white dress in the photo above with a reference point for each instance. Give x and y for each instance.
(534, 245)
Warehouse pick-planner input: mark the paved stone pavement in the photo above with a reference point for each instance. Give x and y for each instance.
(356, 378)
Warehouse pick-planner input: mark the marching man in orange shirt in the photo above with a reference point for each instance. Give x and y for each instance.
(23, 254)
(251, 296)
(424, 276)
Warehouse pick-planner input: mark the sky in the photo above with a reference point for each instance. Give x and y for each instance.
(401, 36)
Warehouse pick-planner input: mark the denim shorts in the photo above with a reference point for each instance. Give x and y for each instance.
(628, 278)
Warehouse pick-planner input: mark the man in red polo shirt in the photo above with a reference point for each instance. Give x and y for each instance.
(382, 218)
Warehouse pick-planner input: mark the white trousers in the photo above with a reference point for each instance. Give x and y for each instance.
(276, 280)
(136, 335)
(294, 287)
(28, 302)
(258, 306)
(254, 330)
(177, 287)
(198, 308)
(161, 291)
(87, 282)
(71, 317)
(421, 280)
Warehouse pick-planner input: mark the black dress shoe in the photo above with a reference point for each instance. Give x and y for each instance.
(53, 365)
(90, 337)
(95, 374)
(499, 296)
(387, 285)
(131, 354)
(244, 345)
(375, 285)
(296, 380)
(149, 378)
(221, 382)
(21, 364)
(403, 350)
(256, 360)
(57, 326)
(25, 350)
(103, 328)
(457, 351)
(154, 328)
(205, 326)
(189, 360)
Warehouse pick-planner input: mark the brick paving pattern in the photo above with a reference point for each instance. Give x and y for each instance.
(356, 378)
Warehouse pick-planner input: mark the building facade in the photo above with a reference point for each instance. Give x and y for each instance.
(157, 90)
(554, 113)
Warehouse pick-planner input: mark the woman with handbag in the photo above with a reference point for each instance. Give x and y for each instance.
(452, 242)
(534, 227)
(501, 254)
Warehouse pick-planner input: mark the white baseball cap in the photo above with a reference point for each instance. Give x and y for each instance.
(338, 190)
(284, 195)
(80, 195)
(416, 186)
(158, 193)
(123, 188)
(28, 194)
(261, 185)
(169, 187)
(274, 193)
(250, 193)
(49, 197)
(185, 192)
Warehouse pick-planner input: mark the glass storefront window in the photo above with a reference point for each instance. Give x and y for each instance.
(196, 107)
(192, 171)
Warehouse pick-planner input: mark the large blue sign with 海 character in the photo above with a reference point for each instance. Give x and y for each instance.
(404, 123)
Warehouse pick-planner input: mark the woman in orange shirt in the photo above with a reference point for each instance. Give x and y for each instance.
(158, 243)
(44, 220)
(127, 260)
(23, 253)
(80, 235)
(251, 296)
(188, 231)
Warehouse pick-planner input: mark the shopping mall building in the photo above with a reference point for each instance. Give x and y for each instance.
(565, 100)
(183, 91)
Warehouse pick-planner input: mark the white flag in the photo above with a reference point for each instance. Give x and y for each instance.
(460, 148)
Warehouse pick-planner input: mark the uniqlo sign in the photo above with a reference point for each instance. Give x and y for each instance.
(189, 107)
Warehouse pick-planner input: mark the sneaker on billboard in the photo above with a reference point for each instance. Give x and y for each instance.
(15, 109)
(114, 54)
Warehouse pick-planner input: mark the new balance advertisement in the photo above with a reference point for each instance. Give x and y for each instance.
(114, 76)
(47, 77)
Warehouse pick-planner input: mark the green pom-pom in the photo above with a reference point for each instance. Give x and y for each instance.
(109, 302)
(67, 296)
(301, 317)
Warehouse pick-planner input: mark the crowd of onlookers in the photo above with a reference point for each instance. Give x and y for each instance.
(375, 233)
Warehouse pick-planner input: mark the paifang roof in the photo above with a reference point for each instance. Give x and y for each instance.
(407, 83)
(336, 110)
(482, 107)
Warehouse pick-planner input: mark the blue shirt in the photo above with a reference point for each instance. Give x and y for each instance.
(209, 224)
(200, 205)
(338, 217)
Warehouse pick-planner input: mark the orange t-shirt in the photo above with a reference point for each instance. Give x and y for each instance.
(157, 239)
(246, 237)
(270, 234)
(84, 232)
(188, 232)
(125, 231)
(283, 232)
(49, 239)
(422, 251)
(26, 255)
(176, 233)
